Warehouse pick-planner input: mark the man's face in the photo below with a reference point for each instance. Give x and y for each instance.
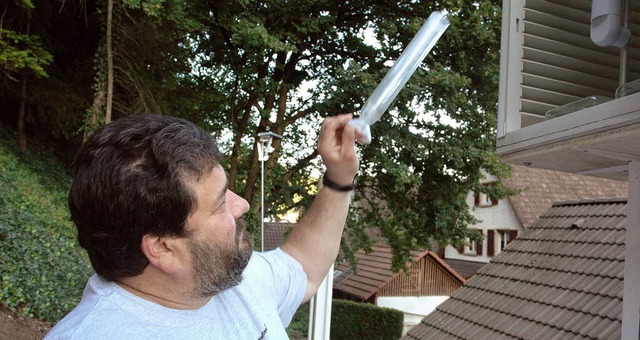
(219, 245)
(219, 267)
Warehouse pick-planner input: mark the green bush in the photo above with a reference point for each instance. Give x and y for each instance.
(353, 320)
(299, 326)
(42, 268)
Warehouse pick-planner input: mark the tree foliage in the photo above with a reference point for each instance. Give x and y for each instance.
(239, 67)
(417, 172)
(422, 169)
(19, 52)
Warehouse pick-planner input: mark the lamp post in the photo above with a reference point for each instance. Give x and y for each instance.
(264, 149)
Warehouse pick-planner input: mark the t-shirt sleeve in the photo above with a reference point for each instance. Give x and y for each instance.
(289, 282)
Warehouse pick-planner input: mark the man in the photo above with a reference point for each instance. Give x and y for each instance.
(166, 237)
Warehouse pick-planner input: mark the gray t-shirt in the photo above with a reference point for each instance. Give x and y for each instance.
(261, 307)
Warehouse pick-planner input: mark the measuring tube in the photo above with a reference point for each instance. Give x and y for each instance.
(400, 73)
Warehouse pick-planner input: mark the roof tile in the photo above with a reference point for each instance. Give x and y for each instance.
(540, 188)
(374, 271)
(562, 279)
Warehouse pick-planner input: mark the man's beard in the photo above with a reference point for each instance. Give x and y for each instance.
(219, 267)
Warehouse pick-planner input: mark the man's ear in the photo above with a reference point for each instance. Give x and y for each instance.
(162, 252)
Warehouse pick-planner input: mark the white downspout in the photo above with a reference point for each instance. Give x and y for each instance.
(624, 50)
(607, 23)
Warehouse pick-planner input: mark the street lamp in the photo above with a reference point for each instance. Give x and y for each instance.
(264, 149)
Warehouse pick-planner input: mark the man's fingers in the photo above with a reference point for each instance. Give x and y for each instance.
(332, 128)
(348, 138)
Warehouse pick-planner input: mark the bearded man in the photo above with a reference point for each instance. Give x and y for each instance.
(167, 241)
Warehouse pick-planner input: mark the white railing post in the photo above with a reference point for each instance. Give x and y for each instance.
(631, 298)
(320, 309)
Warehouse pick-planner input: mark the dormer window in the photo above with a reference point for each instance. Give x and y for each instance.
(483, 200)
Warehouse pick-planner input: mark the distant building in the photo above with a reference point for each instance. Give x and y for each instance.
(502, 221)
(428, 282)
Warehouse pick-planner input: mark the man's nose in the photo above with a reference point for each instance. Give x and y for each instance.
(239, 206)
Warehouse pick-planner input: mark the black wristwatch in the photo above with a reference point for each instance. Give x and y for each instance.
(335, 186)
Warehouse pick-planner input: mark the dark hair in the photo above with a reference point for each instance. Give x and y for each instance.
(131, 178)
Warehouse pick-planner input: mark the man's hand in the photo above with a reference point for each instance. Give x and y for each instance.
(336, 146)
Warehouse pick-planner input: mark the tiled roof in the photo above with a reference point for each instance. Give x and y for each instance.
(374, 271)
(562, 279)
(274, 234)
(541, 188)
(465, 268)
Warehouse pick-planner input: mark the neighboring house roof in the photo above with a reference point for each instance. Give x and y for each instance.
(538, 190)
(563, 278)
(374, 272)
(541, 188)
(465, 268)
(274, 234)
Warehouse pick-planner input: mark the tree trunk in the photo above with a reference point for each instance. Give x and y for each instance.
(253, 175)
(22, 113)
(94, 112)
(240, 126)
(252, 178)
(279, 98)
(107, 115)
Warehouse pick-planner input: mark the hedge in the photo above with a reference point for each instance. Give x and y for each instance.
(355, 320)
(42, 268)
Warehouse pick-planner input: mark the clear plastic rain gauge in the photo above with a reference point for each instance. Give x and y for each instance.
(400, 73)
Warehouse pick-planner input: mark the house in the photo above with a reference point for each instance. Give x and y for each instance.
(502, 221)
(499, 225)
(428, 282)
(561, 279)
(569, 100)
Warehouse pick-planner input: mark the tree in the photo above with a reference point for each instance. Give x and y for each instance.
(21, 57)
(151, 59)
(423, 178)
(143, 61)
(417, 172)
(239, 67)
(109, 53)
(57, 67)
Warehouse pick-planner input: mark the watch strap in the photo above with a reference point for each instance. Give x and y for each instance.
(335, 186)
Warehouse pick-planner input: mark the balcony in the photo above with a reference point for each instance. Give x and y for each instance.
(549, 61)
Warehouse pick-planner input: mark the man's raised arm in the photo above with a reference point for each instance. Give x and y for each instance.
(315, 241)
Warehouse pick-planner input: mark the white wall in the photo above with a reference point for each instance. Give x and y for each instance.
(414, 307)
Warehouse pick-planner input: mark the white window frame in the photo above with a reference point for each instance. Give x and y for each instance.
(484, 200)
(504, 239)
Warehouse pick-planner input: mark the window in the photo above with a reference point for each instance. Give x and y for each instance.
(504, 239)
(471, 247)
(413, 282)
(340, 276)
(484, 200)
(499, 239)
